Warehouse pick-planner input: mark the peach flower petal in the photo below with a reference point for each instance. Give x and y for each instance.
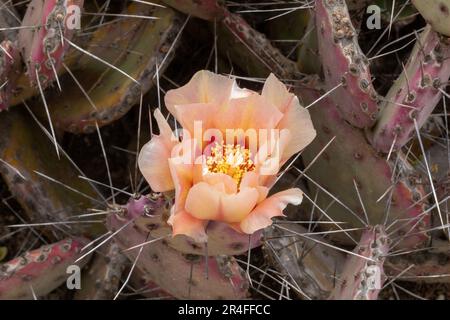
(182, 176)
(296, 119)
(252, 112)
(182, 181)
(153, 158)
(253, 180)
(276, 93)
(249, 180)
(198, 169)
(237, 92)
(235, 207)
(183, 223)
(204, 87)
(261, 216)
(268, 160)
(230, 185)
(165, 130)
(180, 220)
(153, 163)
(300, 127)
(203, 202)
(202, 113)
(218, 104)
(262, 192)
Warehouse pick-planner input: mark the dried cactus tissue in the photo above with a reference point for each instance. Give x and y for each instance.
(224, 150)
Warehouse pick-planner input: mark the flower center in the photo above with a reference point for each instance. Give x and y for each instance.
(232, 160)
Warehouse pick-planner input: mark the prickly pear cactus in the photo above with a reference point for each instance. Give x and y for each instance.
(115, 159)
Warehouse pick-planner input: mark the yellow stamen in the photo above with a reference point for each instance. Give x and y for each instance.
(232, 160)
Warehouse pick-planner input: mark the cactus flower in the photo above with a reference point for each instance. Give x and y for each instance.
(226, 157)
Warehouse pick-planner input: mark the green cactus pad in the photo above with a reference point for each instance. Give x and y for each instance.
(26, 150)
(349, 159)
(135, 46)
(309, 264)
(436, 13)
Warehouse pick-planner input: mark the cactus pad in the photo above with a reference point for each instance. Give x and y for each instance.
(363, 275)
(39, 271)
(415, 93)
(27, 154)
(183, 276)
(136, 47)
(9, 71)
(349, 160)
(43, 45)
(312, 266)
(345, 65)
(436, 13)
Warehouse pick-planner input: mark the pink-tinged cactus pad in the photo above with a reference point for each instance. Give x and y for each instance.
(9, 71)
(146, 287)
(363, 275)
(438, 160)
(344, 64)
(41, 270)
(415, 93)
(250, 49)
(43, 45)
(182, 276)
